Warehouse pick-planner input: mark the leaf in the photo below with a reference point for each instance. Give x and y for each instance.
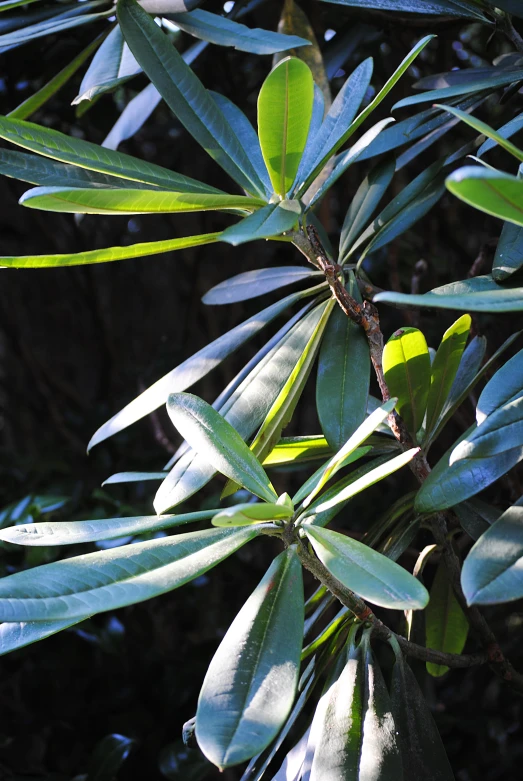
(365, 481)
(284, 114)
(444, 368)
(367, 197)
(353, 735)
(184, 94)
(134, 116)
(491, 572)
(271, 220)
(112, 65)
(191, 370)
(226, 32)
(251, 682)
(84, 154)
(39, 98)
(422, 751)
(509, 252)
(74, 532)
(76, 200)
(446, 626)
(211, 435)
(133, 477)
(21, 633)
(506, 131)
(292, 450)
(503, 387)
(365, 571)
(433, 7)
(479, 294)
(52, 26)
(502, 431)
(449, 484)
(95, 582)
(318, 477)
(247, 514)
(107, 255)
(107, 758)
(485, 129)
(244, 409)
(490, 191)
(251, 284)
(407, 371)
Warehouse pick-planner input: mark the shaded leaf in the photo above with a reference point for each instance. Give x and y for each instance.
(501, 431)
(503, 387)
(446, 626)
(271, 220)
(251, 284)
(108, 756)
(112, 65)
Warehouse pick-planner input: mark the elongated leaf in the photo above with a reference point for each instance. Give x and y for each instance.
(450, 484)
(107, 255)
(490, 191)
(491, 82)
(291, 450)
(367, 197)
(445, 367)
(271, 220)
(422, 751)
(446, 626)
(112, 65)
(284, 115)
(251, 682)
(342, 385)
(365, 571)
(479, 294)
(184, 94)
(110, 201)
(52, 26)
(226, 32)
(503, 387)
(107, 758)
(407, 371)
(492, 571)
(211, 435)
(95, 582)
(506, 131)
(251, 284)
(18, 634)
(73, 532)
(365, 481)
(84, 154)
(509, 252)
(247, 514)
(433, 7)
(312, 483)
(501, 431)
(190, 371)
(485, 129)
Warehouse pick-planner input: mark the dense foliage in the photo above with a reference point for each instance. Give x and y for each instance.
(364, 578)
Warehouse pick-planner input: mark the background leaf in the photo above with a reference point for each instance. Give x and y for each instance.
(446, 626)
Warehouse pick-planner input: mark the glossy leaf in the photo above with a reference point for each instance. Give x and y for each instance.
(501, 431)
(251, 284)
(251, 682)
(505, 386)
(184, 94)
(444, 368)
(284, 114)
(112, 65)
(317, 480)
(246, 514)
(365, 571)
(74, 532)
(432, 7)
(291, 450)
(406, 367)
(446, 626)
(109, 254)
(485, 129)
(506, 131)
(490, 191)
(509, 252)
(95, 582)
(271, 220)
(18, 634)
(52, 26)
(342, 385)
(491, 573)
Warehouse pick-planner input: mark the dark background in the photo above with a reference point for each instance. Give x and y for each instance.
(77, 344)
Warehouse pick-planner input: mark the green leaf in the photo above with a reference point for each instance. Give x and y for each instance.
(407, 371)
(191, 370)
(490, 191)
(293, 450)
(211, 435)
(84, 154)
(506, 131)
(342, 385)
(491, 573)
(444, 368)
(271, 220)
(18, 634)
(226, 32)
(432, 7)
(449, 484)
(112, 65)
(109, 254)
(501, 431)
(422, 751)
(353, 735)
(509, 252)
(312, 482)
(251, 284)
(74, 532)
(367, 197)
(35, 101)
(185, 95)
(247, 514)
(58, 24)
(284, 114)
(95, 582)
(75, 200)
(251, 682)
(365, 481)
(503, 387)
(365, 571)
(446, 626)
(485, 129)
(490, 83)
(479, 294)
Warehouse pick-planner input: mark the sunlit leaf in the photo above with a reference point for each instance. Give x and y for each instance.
(407, 372)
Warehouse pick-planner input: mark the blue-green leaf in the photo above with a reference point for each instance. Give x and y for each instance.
(251, 284)
(271, 220)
